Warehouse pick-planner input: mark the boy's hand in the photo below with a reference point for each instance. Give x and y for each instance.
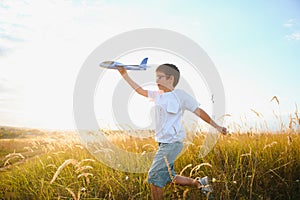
(122, 71)
(222, 130)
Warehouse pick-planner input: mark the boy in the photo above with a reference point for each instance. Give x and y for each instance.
(170, 105)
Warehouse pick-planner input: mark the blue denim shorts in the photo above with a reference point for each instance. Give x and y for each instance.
(162, 168)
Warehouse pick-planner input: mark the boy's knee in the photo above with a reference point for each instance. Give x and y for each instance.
(155, 187)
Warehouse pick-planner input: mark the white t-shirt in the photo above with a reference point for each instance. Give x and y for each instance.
(169, 109)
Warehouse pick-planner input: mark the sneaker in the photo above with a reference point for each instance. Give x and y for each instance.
(206, 187)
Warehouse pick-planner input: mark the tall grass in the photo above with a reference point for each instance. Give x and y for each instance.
(242, 166)
(256, 164)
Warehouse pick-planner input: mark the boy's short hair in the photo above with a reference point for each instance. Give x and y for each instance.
(171, 70)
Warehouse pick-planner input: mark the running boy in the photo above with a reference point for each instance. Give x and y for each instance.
(170, 105)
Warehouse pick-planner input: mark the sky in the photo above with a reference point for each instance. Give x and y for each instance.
(254, 45)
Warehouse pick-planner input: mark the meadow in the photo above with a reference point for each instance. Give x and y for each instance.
(54, 165)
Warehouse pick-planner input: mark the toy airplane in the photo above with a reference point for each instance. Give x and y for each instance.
(117, 65)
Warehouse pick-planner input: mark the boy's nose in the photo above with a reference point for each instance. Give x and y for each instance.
(158, 82)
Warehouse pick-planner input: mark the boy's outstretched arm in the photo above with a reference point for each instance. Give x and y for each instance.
(133, 84)
(205, 117)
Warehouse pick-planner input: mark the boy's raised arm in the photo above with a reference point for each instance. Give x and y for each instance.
(205, 117)
(133, 84)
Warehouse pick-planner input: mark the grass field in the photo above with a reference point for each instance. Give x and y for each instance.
(44, 165)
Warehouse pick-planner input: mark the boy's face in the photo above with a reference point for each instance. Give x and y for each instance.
(164, 82)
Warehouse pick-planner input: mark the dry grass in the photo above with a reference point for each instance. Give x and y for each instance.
(252, 165)
(243, 166)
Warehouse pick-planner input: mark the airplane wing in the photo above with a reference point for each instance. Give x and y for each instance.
(117, 65)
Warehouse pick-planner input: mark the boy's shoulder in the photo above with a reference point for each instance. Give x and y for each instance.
(186, 100)
(180, 92)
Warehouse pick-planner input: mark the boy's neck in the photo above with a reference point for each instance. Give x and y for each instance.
(168, 90)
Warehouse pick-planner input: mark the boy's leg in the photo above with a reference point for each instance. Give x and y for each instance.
(159, 173)
(182, 180)
(156, 192)
(202, 183)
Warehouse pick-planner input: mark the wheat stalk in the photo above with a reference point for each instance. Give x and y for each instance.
(276, 99)
(86, 175)
(72, 193)
(60, 168)
(197, 167)
(257, 114)
(189, 165)
(269, 145)
(169, 169)
(80, 169)
(184, 193)
(12, 156)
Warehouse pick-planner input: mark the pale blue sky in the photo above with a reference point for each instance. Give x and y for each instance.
(255, 46)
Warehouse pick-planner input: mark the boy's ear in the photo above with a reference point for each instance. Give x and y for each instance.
(172, 78)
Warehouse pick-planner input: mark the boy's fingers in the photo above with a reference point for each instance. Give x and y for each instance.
(122, 70)
(224, 130)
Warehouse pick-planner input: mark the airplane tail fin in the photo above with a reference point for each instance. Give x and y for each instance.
(144, 62)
